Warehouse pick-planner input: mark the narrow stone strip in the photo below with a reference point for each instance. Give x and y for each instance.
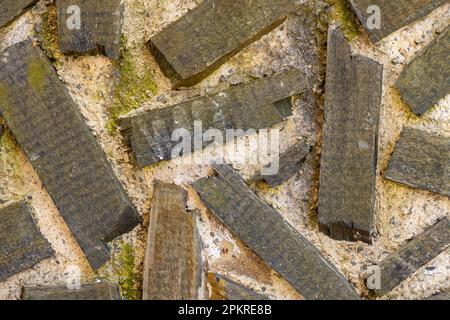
(90, 291)
(11, 9)
(223, 288)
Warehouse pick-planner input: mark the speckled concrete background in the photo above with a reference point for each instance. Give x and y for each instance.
(402, 212)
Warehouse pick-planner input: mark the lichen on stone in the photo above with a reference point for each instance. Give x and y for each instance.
(36, 74)
(49, 33)
(126, 274)
(135, 86)
(343, 15)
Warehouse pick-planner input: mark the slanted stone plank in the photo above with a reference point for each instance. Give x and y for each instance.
(349, 149)
(72, 166)
(413, 255)
(89, 291)
(195, 45)
(223, 288)
(289, 164)
(11, 9)
(394, 14)
(100, 28)
(21, 243)
(172, 267)
(250, 106)
(426, 79)
(271, 237)
(421, 160)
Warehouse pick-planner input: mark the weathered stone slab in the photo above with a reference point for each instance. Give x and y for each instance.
(223, 288)
(426, 79)
(265, 231)
(195, 45)
(394, 14)
(421, 160)
(172, 267)
(90, 291)
(99, 26)
(413, 255)
(289, 164)
(349, 149)
(72, 166)
(250, 106)
(21, 243)
(443, 296)
(11, 9)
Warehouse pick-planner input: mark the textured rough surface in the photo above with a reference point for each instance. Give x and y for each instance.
(350, 142)
(72, 166)
(101, 24)
(21, 243)
(421, 160)
(173, 267)
(10, 9)
(223, 288)
(413, 255)
(191, 48)
(289, 164)
(250, 106)
(440, 296)
(394, 14)
(264, 230)
(426, 80)
(89, 291)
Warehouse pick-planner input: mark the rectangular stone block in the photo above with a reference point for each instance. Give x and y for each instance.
(21, 243)
(72, 166)
(394, 15)
(194, 46)
(421, 160)
(223, 288)
(173, 266)
(11, 9)
(271, 237)
(413, 255)
(249, 106)
(350, 142)
(426, 79)
(90, 291)
(87, 26)
(289, 164)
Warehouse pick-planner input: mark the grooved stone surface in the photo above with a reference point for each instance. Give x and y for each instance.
(73, 168)
(271, 237)
(172, 267)
(249, 106)
(395, 14)
(413, 255)
(195, 45)
(101, 24)
(92, 291)
(426, 79)
(21, 243)
(421, 160)
(223, 288)
(350, 137)
(289, 164)
(10, 9)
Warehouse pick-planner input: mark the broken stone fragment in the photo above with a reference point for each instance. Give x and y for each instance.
(413, 255)
(21, 243)
(72, 166)
(195, 45)
(383, 17)
(223, 288)
(426, 79)
(89, 291)
(287, 165)
(349, 148)
(249, 106)
(172, 267)
(87, 26)
(421, 160)
(271, 237)
(10, 9)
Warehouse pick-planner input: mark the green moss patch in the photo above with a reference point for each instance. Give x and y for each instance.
(343, 15)
(50, 38)
(36, 74)
(127, 276)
